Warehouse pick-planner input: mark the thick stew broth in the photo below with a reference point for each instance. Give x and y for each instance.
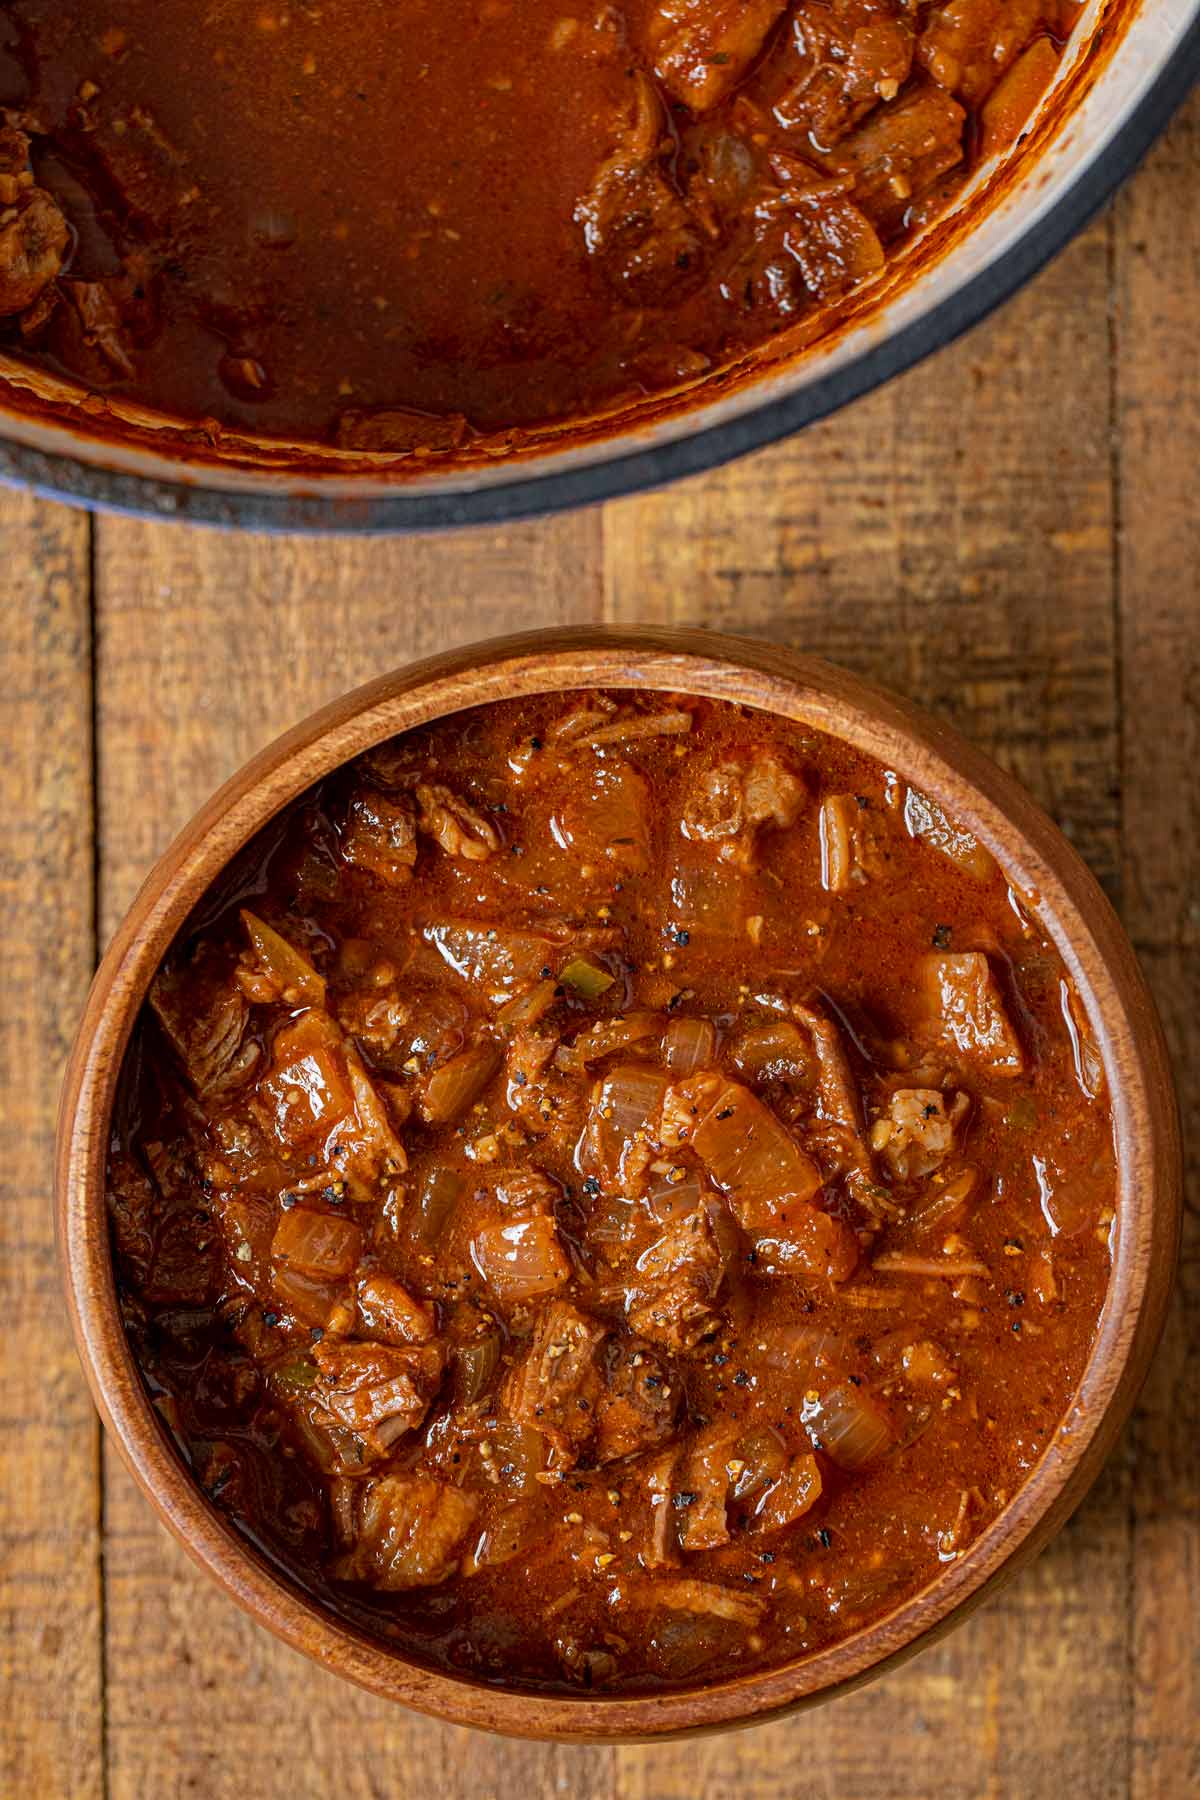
(407, 227)
(615, 1190)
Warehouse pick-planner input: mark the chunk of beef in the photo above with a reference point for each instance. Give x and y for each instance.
(34, 235)
(410, 1532)
(133, 1206)
(555, 1387)
(376, 1019)
(639, 1404)
(839, 63)
(545, 1103)
(900, 152)
(730, 801)
(204, 1014)
(103, 330)
(702, 48)
(825, 232)
(380, 836)
(316, 1098)
(460, 829)
(917, 1134)
(635, 223)
(673, 1295)
(700, 1489)
(959, 1002)
(378, 1391)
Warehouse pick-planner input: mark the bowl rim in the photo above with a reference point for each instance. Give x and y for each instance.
(57, 475)
(1050, 875)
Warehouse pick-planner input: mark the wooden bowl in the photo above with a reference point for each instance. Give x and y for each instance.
(1040, 863)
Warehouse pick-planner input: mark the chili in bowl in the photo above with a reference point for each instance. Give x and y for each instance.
(614, 1184)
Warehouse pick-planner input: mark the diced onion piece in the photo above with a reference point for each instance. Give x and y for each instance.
(795, 1491)
(309, 1301)
(605, 1038)
(518, 1456)
(436, 1200)
(474, 1365)
(758, 1458)
(585, 978)
(924, 819)
(611, 1220)
(1089, 1064)
(945, 1204)
(489, 956)
(503, 1537)
(668, 1200)
(707, 897)
(838, 861)
(286, 968)
(689, 1044)
(641, 725)
(752, 1157)
(522, 1260)
(528, 1007)
(626, 1106)
(1009, 107)
(802, 1350)
(390, 1313)
(708, 1597)
(448, 1091)
(949, 1268)
(848, 1426)
(317, 1243)
(773, 1051)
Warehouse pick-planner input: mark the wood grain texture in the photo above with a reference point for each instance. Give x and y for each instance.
(207, 647)
(1158, 447)
(952, 536)
(51, 1730)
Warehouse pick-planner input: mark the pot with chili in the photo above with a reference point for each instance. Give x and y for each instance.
(614, 1191)
(590, 201)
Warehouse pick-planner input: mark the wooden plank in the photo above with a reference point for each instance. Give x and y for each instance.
(51, 1740)
(951, 536)
(1158, 393)
(207, 647)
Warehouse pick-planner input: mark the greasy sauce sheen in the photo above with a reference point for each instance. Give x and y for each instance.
(409, 227)
(614, 1190)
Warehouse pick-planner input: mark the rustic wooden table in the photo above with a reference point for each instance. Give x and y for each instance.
(1010, 535)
